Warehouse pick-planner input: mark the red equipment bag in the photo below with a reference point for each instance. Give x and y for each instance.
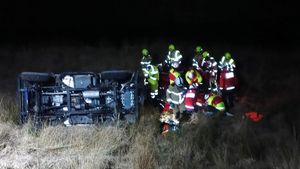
(254, 116)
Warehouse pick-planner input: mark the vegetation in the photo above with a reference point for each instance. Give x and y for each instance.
(211, 143)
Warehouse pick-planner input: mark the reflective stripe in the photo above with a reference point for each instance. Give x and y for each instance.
(175, 102)
(229, 75)
(145, 63)
(230, 88)
(177, 94)
(198, 104)
(153, 78)
(189, 107)
(181, 100)
(220, 108)
(222, 60)
(190, 95)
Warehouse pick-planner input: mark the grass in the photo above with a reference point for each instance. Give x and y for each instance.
(214, 143)
(210, 143)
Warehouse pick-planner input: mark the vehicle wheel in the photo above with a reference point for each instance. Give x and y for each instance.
(35, 76)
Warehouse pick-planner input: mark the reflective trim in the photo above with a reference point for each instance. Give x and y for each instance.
(190, 95)
(230, 88)
(195, 64)
(153, 78)
(177, 94)
(214, 64)
(169, 100)
(222, 60)
(189, 107)
(220, 108)
(229, 75)
(181, 100)
(175, 102)
(198, 104)
(145, 63)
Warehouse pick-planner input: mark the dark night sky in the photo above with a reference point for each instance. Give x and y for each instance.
(210, 19)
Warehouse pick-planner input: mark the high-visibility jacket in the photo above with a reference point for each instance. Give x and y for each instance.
(197, 60)
(209, 65)
(190, 99)
(175, 95)
(146, 60)
(228, 64)
(173, 56)
(173, 74)
(196, 80)
(153, 80)
(216, 102)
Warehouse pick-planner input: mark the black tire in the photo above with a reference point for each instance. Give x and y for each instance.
(35, 76)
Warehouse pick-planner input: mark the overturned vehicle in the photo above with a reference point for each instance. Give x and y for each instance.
(79, 98)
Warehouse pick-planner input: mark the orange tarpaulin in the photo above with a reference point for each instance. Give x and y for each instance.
(254, 116)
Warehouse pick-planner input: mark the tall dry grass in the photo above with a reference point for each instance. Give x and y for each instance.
(211, 143)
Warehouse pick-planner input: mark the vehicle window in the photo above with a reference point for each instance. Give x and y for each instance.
(82, 81)
(68, 80)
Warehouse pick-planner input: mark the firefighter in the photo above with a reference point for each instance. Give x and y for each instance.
(227, 62)
(211, 103)
(190, 100)
(193, 78)
(145, 61)
(175, 96)
(215, 101)
(227, 80)
(152, 79)
(198, 57)
(209, 67)
(168, 119)
(173, 58)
